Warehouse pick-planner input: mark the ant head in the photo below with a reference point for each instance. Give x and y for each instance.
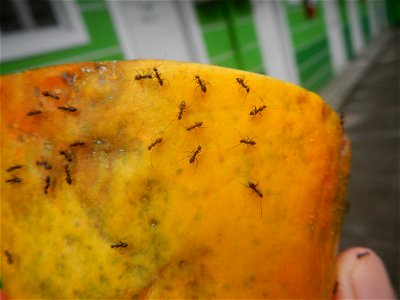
(197, 76)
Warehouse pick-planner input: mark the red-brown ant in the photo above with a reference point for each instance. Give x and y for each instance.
(46, 187)
(202, 83)
(195, 125)
(158, 76)
(119, 245)
(48, 94)
(258, 110)
(243, 84)
(44, 164)
(13, 180)
(341, 117)
(68, 174)
(362, 254)
(248, 141)
(245, 141)
(9, 257)
(10, 169)
(33, 112)
(335, 287)
(157, 141)
(144, 76)
(68, 108)
(194, 154)
(67, 154)
(77, 144)
(182, 108)
(253, 186)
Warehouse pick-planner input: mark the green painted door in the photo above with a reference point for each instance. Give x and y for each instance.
(229, 34)
(346, 28)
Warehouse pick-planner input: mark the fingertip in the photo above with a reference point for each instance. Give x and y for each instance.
(362, 275)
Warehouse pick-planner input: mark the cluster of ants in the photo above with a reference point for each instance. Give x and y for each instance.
(68, 156)
(202, 84)
(154, 74)
(54, 96)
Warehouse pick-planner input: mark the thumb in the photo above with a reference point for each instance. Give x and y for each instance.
(362, 275)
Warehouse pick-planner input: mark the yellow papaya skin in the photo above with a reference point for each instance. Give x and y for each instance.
(161, 179)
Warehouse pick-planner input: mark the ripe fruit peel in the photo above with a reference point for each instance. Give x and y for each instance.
(193, 229)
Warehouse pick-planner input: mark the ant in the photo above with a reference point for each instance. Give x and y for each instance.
(119, 245)
(48, 94)
(335, 287)
(14, 168)
(45, 164)
(67, 154)
(144, 76)
(33, 112)
(46, 187)
(243, 84)
(341, 116)
(248, 141)
(362, 254)
(258, 110)
(157, 141)
(194, 154)
(9, 257)
(253, 186)
(195, 125)
(14, 180)
(68, 173)
(77, 144)
(202, 83)
(158, 76)
(182, 108)
(68, 108)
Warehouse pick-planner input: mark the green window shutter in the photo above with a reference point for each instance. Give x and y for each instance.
(346, 29)
(229, 34)
(310, 42)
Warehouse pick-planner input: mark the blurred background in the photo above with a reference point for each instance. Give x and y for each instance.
(345, 50)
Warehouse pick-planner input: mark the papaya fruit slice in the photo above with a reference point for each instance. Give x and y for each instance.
(161, 179)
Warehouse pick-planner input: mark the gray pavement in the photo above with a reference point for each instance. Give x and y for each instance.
(372, 123)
